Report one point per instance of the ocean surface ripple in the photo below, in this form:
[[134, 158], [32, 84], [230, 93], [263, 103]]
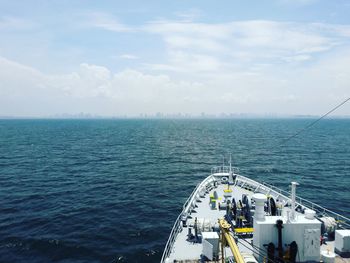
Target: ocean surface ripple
[[110, 190]]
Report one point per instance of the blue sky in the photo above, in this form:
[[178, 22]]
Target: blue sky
[[130, 57]]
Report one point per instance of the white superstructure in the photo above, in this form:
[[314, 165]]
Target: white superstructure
[[262, 224]]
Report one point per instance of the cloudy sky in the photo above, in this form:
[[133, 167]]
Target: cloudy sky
[[129, 57]]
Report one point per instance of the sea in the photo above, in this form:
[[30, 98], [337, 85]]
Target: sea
[[109, 190]]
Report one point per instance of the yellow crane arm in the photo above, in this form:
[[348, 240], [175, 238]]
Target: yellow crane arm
[[230, 240]]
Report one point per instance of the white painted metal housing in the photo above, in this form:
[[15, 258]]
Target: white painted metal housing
[[197, 205]]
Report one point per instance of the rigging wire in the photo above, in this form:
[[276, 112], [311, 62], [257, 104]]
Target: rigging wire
[[258, 250], [313, 123], [250, 246], [253, 248], [264, 254]]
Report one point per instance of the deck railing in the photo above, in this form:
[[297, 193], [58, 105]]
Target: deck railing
[[177, 226], [174, 232], [268, 188], [223, 169], [256, 186]]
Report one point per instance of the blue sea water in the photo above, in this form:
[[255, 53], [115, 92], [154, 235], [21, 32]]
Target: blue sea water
[[110, 190]]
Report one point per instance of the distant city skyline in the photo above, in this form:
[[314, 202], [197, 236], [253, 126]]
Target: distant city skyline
[[116, 58], [179, 115]]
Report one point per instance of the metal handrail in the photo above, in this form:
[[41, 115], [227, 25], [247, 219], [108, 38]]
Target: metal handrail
[[171, 239], [190, 197], [302, 201], [177, 226], [223, 169], [261, 186]]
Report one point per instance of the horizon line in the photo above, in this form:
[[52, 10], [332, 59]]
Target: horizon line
[[171, 116]]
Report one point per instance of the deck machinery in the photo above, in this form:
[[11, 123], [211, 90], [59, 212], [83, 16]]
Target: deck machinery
[[231, 218]]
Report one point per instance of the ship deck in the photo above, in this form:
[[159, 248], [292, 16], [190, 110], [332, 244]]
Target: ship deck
[[198, 208], [184, 250]]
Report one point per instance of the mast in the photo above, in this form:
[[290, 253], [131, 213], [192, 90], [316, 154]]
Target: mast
[[230, 175], [223, 163]]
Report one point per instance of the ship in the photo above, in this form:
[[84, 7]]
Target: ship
[[232, 218]]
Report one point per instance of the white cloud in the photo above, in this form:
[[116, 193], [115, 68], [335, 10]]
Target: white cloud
[[244, 43], [15, 23], [185, 42], [189, 62], [164, 27], [106, 22], [89, 81], [128, 56], [297, 2], [14, 75], [189, 15], [242, 66], [297, 58], [98, 90], [91, 88]]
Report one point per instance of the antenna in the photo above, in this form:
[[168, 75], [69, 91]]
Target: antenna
[[223, 163], [312, 123], [230, 165]]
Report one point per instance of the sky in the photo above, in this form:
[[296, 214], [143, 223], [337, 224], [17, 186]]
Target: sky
[[113, 58]]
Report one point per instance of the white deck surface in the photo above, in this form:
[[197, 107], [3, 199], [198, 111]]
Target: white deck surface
[[184, 250]]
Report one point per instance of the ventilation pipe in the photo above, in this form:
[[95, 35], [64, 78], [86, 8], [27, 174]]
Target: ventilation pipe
[[260, 200], [294, 186]]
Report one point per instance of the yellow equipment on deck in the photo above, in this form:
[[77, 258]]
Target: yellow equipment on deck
[[244, 230], [224, 226]]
